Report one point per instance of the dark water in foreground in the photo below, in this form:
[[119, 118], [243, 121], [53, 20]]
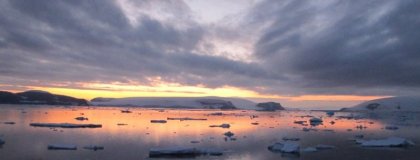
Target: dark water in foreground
[[133, 141]]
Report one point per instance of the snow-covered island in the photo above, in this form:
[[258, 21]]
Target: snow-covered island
[[407, 103], [184, 102]]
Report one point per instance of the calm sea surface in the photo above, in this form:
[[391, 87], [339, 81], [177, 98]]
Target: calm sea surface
[[134, 139]]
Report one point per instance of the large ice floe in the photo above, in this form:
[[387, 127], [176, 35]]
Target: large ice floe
[[62, 147], [285, 147], [180, 151], [386, 142], [65, 125]]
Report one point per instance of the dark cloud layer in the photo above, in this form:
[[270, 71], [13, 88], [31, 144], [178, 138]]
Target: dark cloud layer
[[303, 47]]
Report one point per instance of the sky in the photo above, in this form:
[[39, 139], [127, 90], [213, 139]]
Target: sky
[[315, 53]]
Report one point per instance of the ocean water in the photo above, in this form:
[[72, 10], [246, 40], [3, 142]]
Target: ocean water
[[134, 139]]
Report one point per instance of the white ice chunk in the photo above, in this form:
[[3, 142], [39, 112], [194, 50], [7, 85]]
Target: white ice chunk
[[285, 147], [387, 142]]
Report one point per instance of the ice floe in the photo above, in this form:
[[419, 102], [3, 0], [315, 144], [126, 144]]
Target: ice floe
[[224, 125], [81, 118], [65, 125], [62, 147], [180, 151], [285, 147], [188, 119], [386, 142], [291, 139], [157, 121], [94, 147]]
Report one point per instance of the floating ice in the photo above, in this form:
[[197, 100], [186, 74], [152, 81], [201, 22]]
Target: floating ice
[[387, 142], [65, 125], [11, 123], [224, 125], [291, 139], [309, 149], [81, 118], [180, 151], [285, 147], [324, 147], [62, 147], [157, 121], [188, 119], [330, 113], [93, 147], [391, 127], [229, 134], [216, 114], [2, 141], [126, 111], [315, 120]]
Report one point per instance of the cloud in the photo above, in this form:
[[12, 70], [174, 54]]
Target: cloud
[[292, 47]]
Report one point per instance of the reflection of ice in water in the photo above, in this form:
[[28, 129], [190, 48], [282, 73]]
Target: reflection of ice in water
[[250, 141]]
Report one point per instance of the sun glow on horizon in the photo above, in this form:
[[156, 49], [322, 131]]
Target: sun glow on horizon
[[115, 90]]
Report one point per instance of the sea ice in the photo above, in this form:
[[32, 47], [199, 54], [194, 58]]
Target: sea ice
[[180, 151], [387, 142], [62, 147], [309, 149], [285, 147], [65, 125], [93, 147], [323, 147], [224, 125], [157, 121], [188, 119], [81, 118], [291, 139]]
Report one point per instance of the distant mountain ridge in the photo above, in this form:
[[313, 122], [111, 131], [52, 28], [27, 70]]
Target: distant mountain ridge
[[39, 97]]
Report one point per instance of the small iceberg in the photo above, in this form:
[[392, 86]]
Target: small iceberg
[[291, 139], [216, 114], [181, 152], [81, 118], [391, 127], [285, 147], [62, 147], [65, 125], [229, 134], [188, 119], [330, 113], [224, 125], [387, 142], [94, 148], [10, 123], [309, 149], [324, 147], [126, 111], [157, 121], [315, 121]]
